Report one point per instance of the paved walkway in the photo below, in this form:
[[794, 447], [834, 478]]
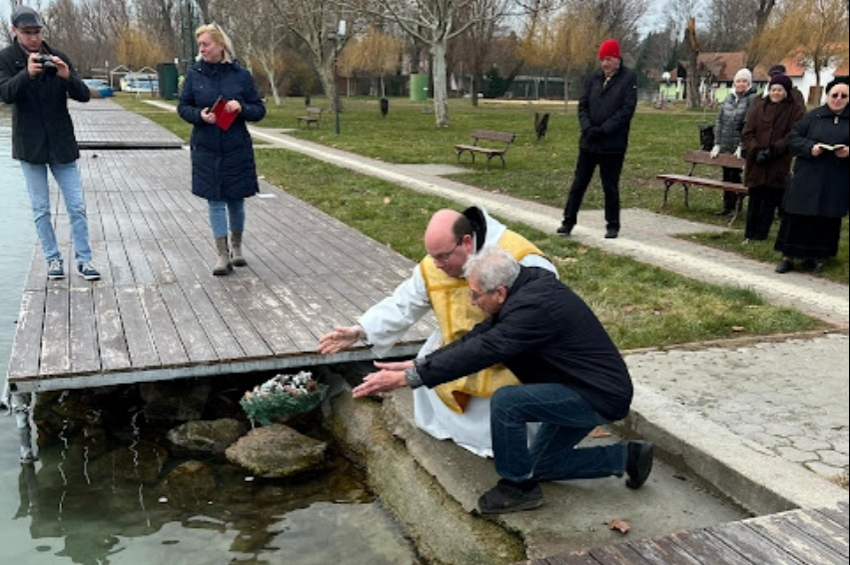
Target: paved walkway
[[757, 412]]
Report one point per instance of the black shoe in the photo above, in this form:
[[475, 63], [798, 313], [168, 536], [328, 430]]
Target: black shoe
[[638, 463], [611, 233], [507, 497], [565, 229], [784, 267]]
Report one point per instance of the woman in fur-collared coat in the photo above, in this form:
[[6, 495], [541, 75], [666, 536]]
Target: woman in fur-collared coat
[[765, 139]]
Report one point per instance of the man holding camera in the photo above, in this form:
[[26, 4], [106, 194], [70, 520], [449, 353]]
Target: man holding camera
[[37, 80]]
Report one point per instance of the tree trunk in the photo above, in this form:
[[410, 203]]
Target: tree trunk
[[693, 64], [441, 103]]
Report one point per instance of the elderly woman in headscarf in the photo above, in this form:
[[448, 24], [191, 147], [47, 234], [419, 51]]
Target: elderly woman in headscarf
[[727, 130], [765, 139], [223, 169], [817, 198]]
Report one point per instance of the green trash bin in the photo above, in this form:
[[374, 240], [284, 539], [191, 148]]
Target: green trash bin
[[418, 87], [167, 75]]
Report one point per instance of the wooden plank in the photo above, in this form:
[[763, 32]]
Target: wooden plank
[[746, 541], [55, 347], [189, 327], [663, 551], [167, 340], [25, 356], [85, 356], [619, 554], [838, 515], [110, 330], [137, 333], [707, 547], [806, 534]]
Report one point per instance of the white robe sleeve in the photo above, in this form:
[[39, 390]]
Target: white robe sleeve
[[387, 321]]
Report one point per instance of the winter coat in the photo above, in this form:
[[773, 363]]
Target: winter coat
[[605, 111], [767, 127], [544, 333], [223, 165], [730, 120], [42, 130], [819, 186]]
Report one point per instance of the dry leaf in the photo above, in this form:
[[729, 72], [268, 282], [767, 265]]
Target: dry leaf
[[620, 525], [387, 200], [600, 432], [738, 328]]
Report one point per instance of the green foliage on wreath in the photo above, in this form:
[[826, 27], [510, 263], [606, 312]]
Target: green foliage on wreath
[[283, 396]]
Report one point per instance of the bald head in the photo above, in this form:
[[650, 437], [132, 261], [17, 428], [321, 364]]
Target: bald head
[[440, 230]]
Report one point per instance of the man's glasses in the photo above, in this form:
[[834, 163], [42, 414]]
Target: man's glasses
[[838, 95], [443, 257], [476, 296]]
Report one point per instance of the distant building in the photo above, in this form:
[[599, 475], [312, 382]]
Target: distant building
[[717, 72]]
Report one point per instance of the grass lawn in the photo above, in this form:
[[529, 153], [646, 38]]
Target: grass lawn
[[640, 305]]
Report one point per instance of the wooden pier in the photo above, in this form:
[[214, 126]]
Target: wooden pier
[[812, 537], [158, 313]]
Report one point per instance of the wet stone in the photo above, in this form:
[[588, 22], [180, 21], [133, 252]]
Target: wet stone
[[276, 451], [207, 436]]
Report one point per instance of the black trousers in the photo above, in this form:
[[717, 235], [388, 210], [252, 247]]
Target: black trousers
[[729, 197], [764, 203], [610, 166]]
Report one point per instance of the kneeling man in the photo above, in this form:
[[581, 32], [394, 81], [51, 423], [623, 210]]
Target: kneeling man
[[573, 379]]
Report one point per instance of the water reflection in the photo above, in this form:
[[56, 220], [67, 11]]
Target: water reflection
[[109, 488]]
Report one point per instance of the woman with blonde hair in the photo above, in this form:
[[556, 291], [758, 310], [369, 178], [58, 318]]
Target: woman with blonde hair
[[218, 98]]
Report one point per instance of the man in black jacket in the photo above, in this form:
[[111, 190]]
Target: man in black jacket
[[37, 81], [573, 380], [605, 113]]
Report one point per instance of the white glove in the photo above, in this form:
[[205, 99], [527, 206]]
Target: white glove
[[715, 151], [738, 152]]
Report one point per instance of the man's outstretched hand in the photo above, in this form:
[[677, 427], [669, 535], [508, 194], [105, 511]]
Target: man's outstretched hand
[[340, 338], [389, 376]]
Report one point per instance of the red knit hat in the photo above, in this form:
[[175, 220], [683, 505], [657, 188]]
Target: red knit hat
[[609, 48]]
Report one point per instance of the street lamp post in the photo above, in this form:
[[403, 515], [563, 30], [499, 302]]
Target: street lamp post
[[337, 35]]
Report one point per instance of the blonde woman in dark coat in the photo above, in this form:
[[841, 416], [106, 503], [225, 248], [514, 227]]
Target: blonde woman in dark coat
[[765, 138], [817, 198]]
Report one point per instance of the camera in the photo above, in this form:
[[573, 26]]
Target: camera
[[46, 61]]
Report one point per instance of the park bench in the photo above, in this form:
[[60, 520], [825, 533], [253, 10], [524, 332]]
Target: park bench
[[698, 157], [496, 143], [313, 116]]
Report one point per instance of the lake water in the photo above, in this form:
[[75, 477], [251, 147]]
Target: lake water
[[60, 510]]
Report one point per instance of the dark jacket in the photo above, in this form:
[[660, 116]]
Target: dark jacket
[[544, 333], [767, 127], [605, 111], [730, 119], [223, 165], [42, 130], [819, 186]]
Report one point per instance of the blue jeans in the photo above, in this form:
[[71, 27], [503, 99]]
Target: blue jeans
[[219, 212], [67, 176], [565, 418]]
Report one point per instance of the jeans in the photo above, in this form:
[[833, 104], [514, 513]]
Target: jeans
[[67, 176], [566, 419], [610, 167], [219, 212]]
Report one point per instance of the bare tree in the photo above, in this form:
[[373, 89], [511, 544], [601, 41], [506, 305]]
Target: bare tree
[[316, 24], [692, 45], [435, 23], [813, 32]]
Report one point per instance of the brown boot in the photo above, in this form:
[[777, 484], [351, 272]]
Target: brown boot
[[236, 256], [222, 265]]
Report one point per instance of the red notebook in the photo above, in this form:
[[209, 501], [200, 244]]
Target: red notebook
[[223, 118]]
